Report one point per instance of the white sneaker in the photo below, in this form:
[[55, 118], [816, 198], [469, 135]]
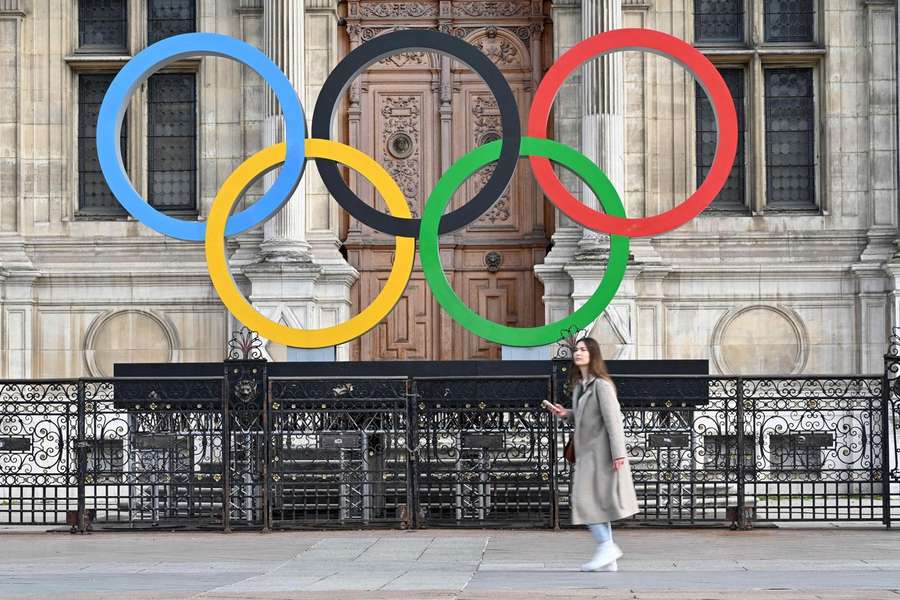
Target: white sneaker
[[611, 567], [606, 554]]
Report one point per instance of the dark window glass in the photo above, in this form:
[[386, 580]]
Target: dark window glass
[[93, 193], [789, 20], [790, 139], [172, 141], [719, 20], [102, 25], [170, 17], [732, 195]]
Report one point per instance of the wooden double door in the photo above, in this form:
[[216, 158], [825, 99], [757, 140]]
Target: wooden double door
[[416, 113]]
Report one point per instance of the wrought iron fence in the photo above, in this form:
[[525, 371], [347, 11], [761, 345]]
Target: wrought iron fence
[[39, 426], [246, 450], [815, 448], [681, 440], [890, 439], [484, 451], [151, 451]]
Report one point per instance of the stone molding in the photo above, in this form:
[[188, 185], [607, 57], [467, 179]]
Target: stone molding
[[791, 317], [97, 326], [14, 8]]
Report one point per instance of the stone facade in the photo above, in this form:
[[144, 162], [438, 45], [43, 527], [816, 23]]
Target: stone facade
[[762, 291], [79, 293]]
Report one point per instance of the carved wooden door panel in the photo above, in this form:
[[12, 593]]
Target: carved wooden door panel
[[416, 113]]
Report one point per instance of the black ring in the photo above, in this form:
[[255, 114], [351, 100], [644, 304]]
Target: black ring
[[418, 39]]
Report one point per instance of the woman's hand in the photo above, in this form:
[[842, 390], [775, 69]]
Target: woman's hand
[[558, 409], [618, 463]]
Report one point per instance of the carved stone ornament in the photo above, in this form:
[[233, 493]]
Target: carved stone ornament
[[487, 129], [397, 10], [497, 48], [401, 59], [490, 9], [400, 135], [487, 138]]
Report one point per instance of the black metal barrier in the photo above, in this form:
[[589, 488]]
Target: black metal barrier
[[431, 445]]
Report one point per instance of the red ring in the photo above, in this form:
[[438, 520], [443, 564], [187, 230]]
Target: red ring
[[708, 77]]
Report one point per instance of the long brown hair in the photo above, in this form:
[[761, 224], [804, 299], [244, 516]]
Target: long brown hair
[[596, 366]]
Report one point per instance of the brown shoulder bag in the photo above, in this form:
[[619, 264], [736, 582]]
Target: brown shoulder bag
[[569, 450]]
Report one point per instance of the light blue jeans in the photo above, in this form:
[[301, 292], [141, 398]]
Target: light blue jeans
[[602, 532]]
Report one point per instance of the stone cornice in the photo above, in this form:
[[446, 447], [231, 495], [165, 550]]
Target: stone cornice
[[249, 7], [14, 8], [321, 5]]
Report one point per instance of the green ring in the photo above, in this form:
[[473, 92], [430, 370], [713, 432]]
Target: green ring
[[542, 335]]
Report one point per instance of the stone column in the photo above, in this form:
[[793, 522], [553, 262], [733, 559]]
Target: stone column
[[557, 298], [333, 287], [17, 273], [603, 111], [283, 284], [11, 15], [603, 141], [283, 36], [879, 265]]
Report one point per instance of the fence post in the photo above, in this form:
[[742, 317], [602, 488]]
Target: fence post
[[554, 444], [81, 455], [739, 399], [412, 454], [226, 457], [267, 456], [886, 443]]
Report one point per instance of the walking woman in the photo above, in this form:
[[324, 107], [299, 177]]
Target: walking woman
[[601, 490]]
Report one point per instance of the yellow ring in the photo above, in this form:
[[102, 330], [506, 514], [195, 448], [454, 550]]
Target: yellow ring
[[231, 190]]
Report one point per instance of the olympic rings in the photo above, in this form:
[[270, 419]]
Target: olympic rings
[[505, 152], [239, 180], [707, 76], [418, 39], [155, 57], [429, 251]]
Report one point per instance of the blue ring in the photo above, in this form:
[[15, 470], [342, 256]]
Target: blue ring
[[155, 57]]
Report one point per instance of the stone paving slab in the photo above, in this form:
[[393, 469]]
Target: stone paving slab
[[695, 580], [702, 564]]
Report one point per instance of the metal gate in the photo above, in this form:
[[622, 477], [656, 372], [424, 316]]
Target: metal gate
[[150, 452], [485, 452], [338, 452]]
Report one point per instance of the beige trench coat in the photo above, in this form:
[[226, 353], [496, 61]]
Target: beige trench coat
[[599, 494]]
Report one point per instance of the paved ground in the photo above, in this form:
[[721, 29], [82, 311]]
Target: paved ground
[[674, 564]]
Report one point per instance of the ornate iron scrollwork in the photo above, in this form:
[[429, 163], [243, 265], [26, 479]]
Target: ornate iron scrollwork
[[245, 345], [567, 340], [246, 390]]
